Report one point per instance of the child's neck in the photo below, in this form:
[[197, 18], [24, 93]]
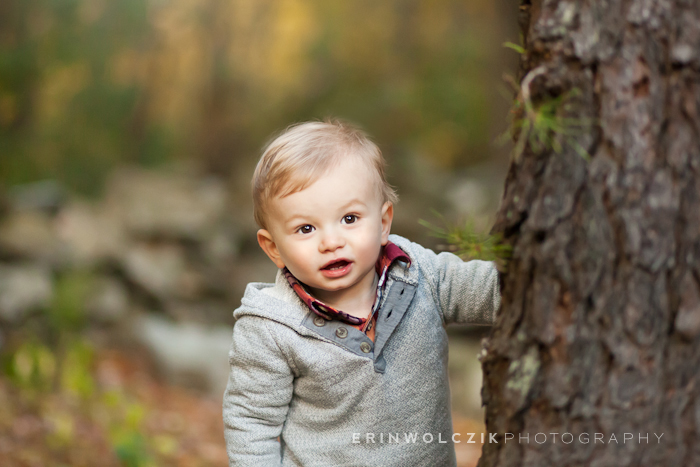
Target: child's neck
[[356, 301]]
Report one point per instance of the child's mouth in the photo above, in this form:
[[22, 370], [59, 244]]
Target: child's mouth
[[336, 266], [337, 269]]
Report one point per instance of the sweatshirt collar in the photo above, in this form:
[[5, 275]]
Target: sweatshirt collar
[[388, 255]]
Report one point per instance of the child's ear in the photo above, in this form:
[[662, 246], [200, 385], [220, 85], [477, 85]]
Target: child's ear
[[387, 217], [270, 247]]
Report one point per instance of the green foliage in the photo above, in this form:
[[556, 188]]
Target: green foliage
[[547, 125], [544, 127], [61, 367], [518, 48], [32, 367], [62, 113], [125, 427], [467, 243], [62, 428], [35, 367], [66, 313], [132, 448], [76, 366], [43, 373], [86, 85]]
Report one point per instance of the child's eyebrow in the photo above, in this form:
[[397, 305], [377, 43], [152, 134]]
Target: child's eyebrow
[[352, 202], [296, 218]]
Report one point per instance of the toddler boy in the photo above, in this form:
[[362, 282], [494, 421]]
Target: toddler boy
[[343, 360]]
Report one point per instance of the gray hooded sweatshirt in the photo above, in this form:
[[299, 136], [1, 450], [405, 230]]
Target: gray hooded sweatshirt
[[304, 391]]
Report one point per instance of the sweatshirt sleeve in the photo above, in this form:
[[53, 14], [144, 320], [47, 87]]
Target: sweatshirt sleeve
[[257, 395], [466, 291]]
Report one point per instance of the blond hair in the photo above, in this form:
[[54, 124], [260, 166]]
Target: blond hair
[[305, 151]]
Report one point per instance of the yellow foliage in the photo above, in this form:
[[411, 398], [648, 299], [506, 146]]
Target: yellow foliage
[[8, 109], [59, 86], [129, 67], [62, 428]]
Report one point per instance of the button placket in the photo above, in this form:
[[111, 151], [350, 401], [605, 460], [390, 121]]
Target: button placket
[[347, 337], [396, 305]]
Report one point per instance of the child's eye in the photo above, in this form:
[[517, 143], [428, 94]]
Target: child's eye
[[350, 218], [306, 229]]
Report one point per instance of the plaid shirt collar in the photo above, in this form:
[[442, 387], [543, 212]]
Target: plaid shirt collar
[[389, 254]]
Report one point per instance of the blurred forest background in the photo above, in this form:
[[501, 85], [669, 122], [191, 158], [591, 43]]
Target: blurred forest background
[[129, 131]]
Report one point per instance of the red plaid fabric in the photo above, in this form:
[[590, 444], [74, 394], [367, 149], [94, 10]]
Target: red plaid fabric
[[390, 253]]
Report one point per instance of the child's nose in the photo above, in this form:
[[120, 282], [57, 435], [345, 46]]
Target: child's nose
[[331, 241]]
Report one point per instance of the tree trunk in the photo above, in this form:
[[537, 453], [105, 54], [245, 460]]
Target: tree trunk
[[599, 330]]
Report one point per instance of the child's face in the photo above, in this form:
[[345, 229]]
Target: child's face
[[329, 234]]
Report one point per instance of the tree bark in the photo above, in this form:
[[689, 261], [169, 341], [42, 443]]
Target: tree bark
[[599, 330]]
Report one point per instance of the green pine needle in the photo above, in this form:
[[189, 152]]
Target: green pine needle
[[518, 48], [467, 243]]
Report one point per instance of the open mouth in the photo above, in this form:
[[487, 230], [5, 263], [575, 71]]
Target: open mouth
[[336, 265]]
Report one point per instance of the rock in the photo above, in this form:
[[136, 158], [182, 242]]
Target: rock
[[158, 268], [163, 271], [203, 311], [220, 248], [108, 301], [23, 288], [31, 235], [90, 234], [191, 354], [167, 205], [45, 195]]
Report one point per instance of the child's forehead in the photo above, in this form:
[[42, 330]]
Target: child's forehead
[[326, 193], [363, 171]]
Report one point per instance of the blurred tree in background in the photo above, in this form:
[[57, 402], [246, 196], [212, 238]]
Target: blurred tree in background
[[86, 85], [68, 107], [97, 295]]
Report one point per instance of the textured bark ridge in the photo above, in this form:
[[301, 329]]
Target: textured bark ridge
[[599, 330]]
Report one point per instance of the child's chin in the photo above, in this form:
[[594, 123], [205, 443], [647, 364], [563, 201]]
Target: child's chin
[[334, 288], [337, 286]]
